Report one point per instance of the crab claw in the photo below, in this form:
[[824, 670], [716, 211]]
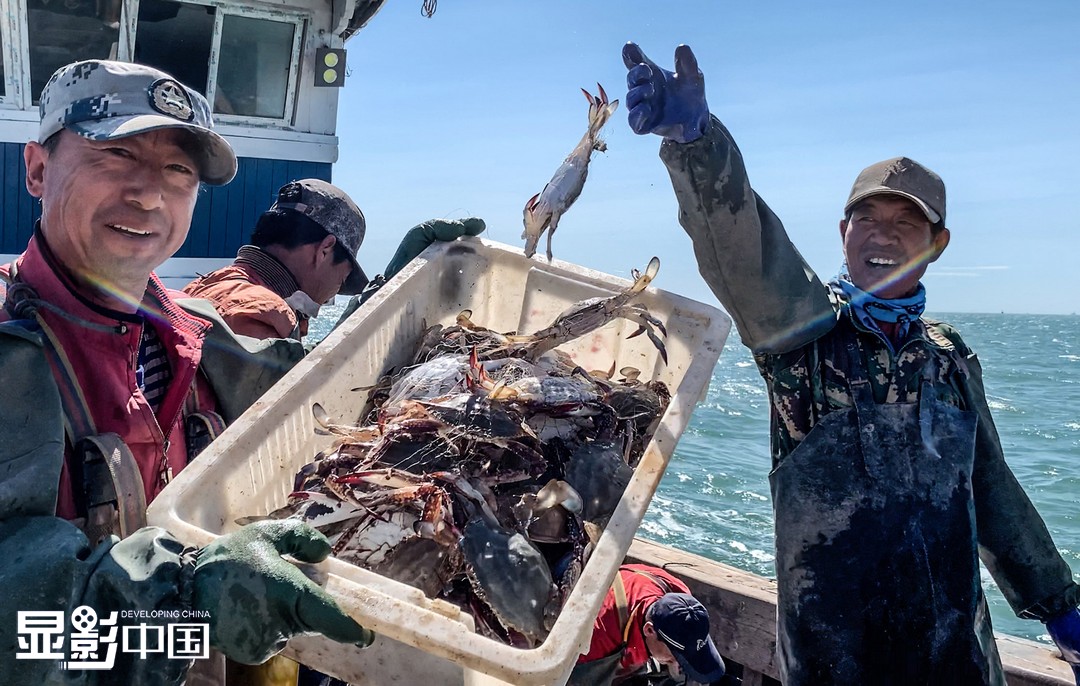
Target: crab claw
[[530, 204], [646, 325], [658, 343], [476, 376], [630, 374], [322, 418], [597, 102], [641, 314], [557, 492], [643, 280]]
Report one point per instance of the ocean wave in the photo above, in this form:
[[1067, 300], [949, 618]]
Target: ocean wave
[[1000, 405]]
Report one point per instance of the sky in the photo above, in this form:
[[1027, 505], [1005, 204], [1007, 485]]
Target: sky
[[471, 111]]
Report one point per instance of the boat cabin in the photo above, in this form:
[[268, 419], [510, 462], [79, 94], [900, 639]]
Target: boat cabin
[[271, 71]]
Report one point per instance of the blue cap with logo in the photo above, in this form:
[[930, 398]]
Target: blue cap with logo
[[104, 100], [682, 623]]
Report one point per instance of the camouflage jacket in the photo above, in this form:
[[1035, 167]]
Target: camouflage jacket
[[797, 328]]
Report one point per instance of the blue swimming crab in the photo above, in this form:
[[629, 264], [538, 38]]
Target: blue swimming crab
[[468, 338], [426, 530], [488, 467], [586, 316], [543, 210]]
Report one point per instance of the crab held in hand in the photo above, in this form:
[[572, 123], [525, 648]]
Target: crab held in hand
[[543, 210]]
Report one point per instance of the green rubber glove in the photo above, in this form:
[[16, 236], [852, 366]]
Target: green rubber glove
[[257, 600], [421, 236], [415, 242]]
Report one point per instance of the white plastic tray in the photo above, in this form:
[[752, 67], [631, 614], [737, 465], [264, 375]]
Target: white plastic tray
[[249, 470]]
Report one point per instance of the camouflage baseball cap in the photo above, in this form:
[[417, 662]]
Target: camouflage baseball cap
[[905, 177], [333, 210], [104, 100]]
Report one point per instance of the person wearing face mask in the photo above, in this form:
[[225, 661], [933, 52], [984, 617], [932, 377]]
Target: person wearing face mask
[[303, 252], [888, 479]]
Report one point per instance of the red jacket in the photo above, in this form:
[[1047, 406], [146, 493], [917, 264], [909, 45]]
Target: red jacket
[[641, 593], [250, 293], [104, 358]]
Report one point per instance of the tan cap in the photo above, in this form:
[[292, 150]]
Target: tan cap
[[905, 177]]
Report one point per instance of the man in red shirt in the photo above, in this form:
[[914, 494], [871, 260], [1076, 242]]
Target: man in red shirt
[[648, 613]]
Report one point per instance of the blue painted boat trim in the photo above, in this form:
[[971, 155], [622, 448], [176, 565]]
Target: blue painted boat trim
[[224, 215]]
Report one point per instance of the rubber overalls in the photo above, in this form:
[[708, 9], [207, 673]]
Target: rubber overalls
[[876, 553]]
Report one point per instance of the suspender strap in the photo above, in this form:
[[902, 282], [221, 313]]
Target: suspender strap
[[200, 426], [78, 423], [662, 584], [621, 605], [112, 485], [110, 474], [115, 499]]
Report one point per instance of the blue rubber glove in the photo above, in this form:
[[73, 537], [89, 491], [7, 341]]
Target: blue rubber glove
[[421, 236], [1065, 630], [257, 600], [669, 104]]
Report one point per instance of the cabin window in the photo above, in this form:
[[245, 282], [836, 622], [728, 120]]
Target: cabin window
[[62, 32], [176, 38], [244, 59], [254, 67]]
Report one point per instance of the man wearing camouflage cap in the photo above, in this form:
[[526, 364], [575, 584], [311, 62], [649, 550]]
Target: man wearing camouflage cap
[[108, 391], [888, 477], [303, 252]]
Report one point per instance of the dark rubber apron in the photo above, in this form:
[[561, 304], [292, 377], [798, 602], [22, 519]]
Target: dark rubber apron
[[876, 554]]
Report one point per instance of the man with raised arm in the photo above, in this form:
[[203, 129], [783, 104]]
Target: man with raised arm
[[888, 478]]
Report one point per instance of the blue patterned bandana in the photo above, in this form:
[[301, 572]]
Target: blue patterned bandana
[[870, 309]]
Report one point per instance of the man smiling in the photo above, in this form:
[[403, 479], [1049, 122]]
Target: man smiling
[[888, 478], [893, 228], [107, 394]]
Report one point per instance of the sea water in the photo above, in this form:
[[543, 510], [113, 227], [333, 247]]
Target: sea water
[[714, 498]]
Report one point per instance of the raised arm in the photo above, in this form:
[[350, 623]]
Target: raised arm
[[742, 250]]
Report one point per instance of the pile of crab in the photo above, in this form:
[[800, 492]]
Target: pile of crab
[[488, 467]]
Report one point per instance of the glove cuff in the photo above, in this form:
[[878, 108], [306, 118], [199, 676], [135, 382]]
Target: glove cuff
[[1054, 606], [377, 282], [186, 578], [1058, 624]]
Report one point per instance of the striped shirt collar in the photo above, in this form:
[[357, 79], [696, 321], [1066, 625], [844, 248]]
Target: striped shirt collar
[[276, 275]]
